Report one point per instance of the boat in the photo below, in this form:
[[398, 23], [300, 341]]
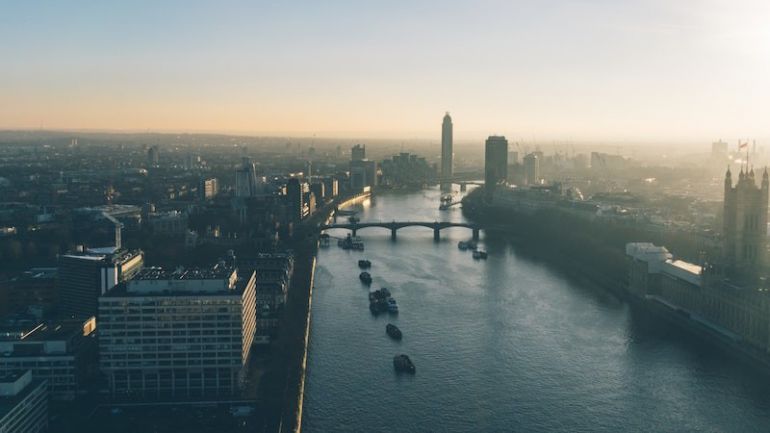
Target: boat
[[392, 306], [351, 243], [382, 294], [393, 331], [462, 245], [365, 277], [364, 264], [479, 254], [403, 364], [379, 301], [374, 308], [378, 306]]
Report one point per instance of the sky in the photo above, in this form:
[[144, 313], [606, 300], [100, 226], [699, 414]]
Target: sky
[[694, 70]]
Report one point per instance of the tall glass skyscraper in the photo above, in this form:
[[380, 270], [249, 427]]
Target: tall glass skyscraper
[[495, 164], [446, 152]]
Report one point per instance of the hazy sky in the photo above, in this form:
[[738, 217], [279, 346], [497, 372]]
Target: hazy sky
[[548, 69]]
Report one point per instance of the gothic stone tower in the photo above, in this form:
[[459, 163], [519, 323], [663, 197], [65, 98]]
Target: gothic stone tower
[[745, 224]]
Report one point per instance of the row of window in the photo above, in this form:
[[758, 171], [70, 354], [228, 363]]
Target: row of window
[[175, 363]]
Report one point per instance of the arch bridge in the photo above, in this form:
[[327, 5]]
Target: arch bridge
[[393, 226]]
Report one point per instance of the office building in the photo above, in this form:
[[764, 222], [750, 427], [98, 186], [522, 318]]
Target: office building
[[209, 188], [719, 151], [446, 152], [745, 224], [246, 182], [513, 158], [531, 169], [358, 153], [604, 162], [168, 223], [153, 157], [23, 403], [185, 334], [83, 277], [274, 271], [319, 191], [495, 164], [331, 187], [294, 199], [35, 287], [363, 173], [406, 169], [63, 353]]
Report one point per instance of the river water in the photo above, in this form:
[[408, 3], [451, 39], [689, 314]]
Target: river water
[[506, 344]]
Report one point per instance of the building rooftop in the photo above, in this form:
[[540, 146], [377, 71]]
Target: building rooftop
[[215, 272], [39, 273], [27, 331], [14, 388], [686, 266], [217, 280]]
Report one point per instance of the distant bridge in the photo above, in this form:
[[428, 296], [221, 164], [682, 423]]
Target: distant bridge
[[393, 226], [463, 181], [460, 181]]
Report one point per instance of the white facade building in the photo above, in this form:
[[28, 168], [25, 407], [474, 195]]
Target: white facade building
[[182, 334], [23, 403]]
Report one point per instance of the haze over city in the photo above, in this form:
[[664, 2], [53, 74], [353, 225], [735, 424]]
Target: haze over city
[[632, 71], [410, 216]]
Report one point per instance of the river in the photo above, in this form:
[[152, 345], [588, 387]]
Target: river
[[505, 344]]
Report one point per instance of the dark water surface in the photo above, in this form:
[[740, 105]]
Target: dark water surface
[[506, 344]]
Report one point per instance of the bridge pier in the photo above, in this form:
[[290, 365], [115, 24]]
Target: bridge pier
[[436, 234], [475, 234], [393, 234], [354, 232]]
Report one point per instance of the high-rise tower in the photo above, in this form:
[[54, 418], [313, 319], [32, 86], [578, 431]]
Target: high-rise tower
[[745, 223], [446, 152], [495, 164]]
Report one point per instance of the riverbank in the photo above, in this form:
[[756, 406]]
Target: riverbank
[[281, 391], [594, 253]]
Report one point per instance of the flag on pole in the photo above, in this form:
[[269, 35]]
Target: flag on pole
[[742, 145]]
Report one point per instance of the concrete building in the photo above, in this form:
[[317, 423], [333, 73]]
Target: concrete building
[[358, 153], [153, 157], [172, 223], [531, 169], [35, 287], [275, 271], [495, 164], [23, 403], [406, 169], [83, 277], [745, 224], [209, 188], [294, 197], [363, 174], [331, 187], [319, 190], [719, 151], [246, 181], [604, 162], [178, 335], [446, 152], [62, 353]]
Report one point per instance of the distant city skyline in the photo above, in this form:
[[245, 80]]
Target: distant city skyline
[[641, 70]]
